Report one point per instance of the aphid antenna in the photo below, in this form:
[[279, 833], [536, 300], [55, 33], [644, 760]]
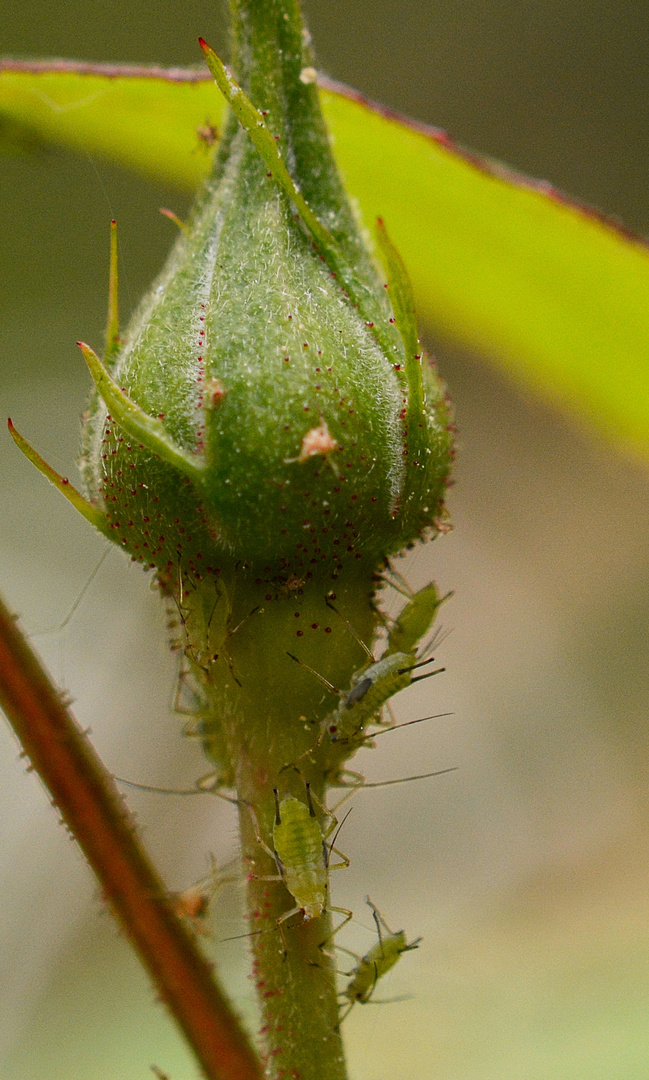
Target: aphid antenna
[[325, 682], [251, 933], [197, 790], [409, 723], [379, 922], [437, 639], [386, 1001], [398, 780], [62, 625], [407, 779], [368, 652], [277, 928]]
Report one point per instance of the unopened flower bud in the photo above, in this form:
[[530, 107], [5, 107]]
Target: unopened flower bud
[[269, 402]]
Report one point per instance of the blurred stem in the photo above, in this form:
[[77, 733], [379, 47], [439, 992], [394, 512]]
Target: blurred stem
[[93, 810]]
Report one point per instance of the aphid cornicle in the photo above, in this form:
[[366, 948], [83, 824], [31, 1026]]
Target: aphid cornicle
[[376, 962]]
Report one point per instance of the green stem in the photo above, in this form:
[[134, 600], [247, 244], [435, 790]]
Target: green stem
[[263, 715]]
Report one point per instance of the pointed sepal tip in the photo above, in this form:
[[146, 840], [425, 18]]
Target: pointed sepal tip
[[148, 430], [91, 513]]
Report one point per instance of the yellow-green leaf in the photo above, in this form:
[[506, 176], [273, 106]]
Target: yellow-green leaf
[[549, 291]]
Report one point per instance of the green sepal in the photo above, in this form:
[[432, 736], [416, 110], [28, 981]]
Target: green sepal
[[91, 513], [112, 322], [149, 431], [252, 121], [402, 299]]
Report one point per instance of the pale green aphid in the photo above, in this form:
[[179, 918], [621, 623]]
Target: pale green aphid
[[376, 962], [415, 619], [303, 856], [373, 685]]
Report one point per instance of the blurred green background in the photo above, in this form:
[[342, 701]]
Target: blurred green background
[[527, 871]]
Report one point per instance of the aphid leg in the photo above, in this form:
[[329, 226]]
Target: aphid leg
[[260, 840], [397, 582], [332, 955], [357, 779], [325, 682], [204, 785], [344, 1015], [345, 862], [187, 701], [348, 916], [381, 925], [356, 956], [368, 652], [75, 606]]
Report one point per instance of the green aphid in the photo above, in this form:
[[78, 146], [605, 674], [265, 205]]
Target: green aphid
[[303, 856], [372, 686], [376, 962], [415, 620]]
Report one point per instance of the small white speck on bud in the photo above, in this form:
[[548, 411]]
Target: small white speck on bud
[[317, 441], [308, 75]]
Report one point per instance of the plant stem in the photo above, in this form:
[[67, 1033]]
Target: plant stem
[[261, 725], [94, 812]]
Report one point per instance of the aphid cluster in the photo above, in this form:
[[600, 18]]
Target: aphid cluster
[[301, 843]]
